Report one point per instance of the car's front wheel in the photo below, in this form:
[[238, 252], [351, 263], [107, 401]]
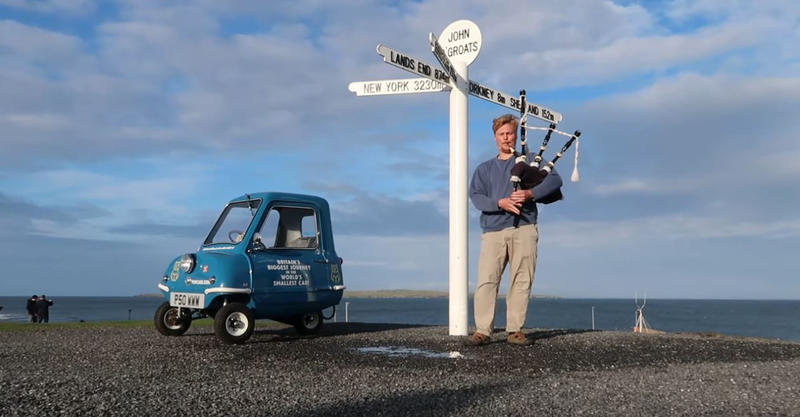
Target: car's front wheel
[[172, 321], [308, 323], [234, 323]]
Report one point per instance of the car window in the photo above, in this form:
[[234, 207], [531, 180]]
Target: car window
[[289, 227], [233, 223]]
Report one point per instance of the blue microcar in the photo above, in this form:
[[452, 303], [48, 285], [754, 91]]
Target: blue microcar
[[269, 256]]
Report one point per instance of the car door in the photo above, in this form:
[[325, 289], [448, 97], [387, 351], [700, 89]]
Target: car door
[[288, 260]]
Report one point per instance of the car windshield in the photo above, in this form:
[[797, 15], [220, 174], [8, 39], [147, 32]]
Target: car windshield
[[233, 223]]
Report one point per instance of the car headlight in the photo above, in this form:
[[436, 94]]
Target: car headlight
[[187, 263]]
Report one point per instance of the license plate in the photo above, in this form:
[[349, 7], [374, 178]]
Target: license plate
[[187, 299]]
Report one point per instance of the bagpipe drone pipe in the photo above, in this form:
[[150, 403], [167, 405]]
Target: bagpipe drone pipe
[[526, 175]]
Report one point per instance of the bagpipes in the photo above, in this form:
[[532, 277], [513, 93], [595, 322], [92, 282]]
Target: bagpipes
[[526, 175]]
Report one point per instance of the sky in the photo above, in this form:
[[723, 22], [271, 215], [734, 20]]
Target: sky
[[125, 127]]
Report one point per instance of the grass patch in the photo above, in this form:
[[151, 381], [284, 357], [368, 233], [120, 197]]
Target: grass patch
[[73, 325]]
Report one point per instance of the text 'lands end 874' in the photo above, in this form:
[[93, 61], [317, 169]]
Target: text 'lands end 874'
[[412, 64]]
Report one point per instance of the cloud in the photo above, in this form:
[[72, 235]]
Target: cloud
[[52, 248], [341, 189], [36, 122], [635, 55], [690, 128], [81, 267], [125, 192], [163, 76], [196, 232], [627, 232], [159, 78], [28, 43], [783, 164], [18, 214], [625, 186], [384, 262], [682, 10], [387, 216], [70, 7]]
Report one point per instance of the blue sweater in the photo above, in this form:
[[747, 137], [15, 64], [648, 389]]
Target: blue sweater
[[491, 182]]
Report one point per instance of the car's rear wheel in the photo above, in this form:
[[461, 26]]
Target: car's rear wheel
[[172, 321], [234, 323], [308, 323]]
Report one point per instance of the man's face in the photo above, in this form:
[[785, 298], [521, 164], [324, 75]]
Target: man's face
[[506, 138]]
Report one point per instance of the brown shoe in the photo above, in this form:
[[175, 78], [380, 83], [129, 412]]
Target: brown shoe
[[479, 339], [518, 338]]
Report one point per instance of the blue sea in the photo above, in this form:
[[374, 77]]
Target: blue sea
[[774, 319]]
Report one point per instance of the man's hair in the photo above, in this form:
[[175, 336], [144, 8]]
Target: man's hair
[[506, 118]]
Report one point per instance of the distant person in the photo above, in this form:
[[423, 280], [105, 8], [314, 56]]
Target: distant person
[[31, 307], [510, 235], [42, 307]]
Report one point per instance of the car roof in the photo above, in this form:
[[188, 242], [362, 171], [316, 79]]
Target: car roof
[[291, 197]]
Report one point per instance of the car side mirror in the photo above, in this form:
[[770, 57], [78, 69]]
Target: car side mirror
[[257, 244]]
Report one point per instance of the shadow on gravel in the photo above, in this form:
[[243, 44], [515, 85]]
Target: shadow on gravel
[[442, 401], [330, 330], [547, 334]]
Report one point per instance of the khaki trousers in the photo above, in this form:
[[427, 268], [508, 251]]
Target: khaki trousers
[[517, 248]]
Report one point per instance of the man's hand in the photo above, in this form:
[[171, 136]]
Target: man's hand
[[509, 205], [521, 196]]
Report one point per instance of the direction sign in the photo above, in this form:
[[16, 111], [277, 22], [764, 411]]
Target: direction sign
[[441, 56], [461, 40], [513, 102], [412, 64], [387, 87]]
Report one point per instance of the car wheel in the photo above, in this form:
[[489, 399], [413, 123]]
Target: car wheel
[[308, 323], [172, 321], [233, 323]]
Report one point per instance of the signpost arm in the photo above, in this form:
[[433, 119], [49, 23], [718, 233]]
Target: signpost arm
[[459, 242]]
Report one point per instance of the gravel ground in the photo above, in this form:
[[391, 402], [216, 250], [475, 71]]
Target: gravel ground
[[384, 370]]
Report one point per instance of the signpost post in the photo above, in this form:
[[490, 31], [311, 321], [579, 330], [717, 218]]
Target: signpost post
[[456, 48], [459, 203]]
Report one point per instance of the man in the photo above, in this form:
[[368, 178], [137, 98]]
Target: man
[[503, 242], [31, 307], [43, 309]]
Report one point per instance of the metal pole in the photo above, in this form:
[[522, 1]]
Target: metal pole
[[459, 243], [592, 317], [346, 312]]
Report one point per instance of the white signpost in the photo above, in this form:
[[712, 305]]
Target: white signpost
[[459, 177], [455, 49]]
